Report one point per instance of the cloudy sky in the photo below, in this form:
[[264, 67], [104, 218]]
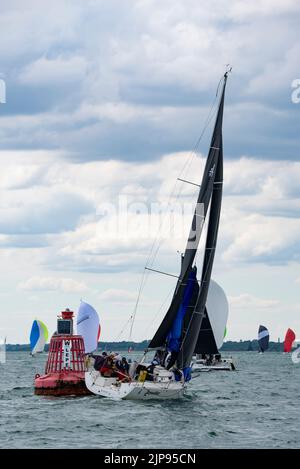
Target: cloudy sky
[[104, 103]]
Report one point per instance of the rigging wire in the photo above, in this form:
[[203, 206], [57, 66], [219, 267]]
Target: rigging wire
[[156, 245], [143, 281], [159, 309], [191, 155], [123, 329], [204, 272], [150, 262], [158, 241], [187, 164]]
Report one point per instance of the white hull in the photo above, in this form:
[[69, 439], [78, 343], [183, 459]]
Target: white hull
[[110, 387], [225, 365]]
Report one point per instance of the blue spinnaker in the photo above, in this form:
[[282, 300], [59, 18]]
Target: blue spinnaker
[[34, 335], [174, 336]]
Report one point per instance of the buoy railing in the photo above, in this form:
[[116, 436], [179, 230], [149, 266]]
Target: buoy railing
[[66, 354]]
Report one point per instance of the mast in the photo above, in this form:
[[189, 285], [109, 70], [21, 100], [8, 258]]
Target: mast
[[191, 335], [210, 190]]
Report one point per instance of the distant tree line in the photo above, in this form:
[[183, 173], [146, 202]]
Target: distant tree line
[[249, 346], [108, 346], [229, 346]]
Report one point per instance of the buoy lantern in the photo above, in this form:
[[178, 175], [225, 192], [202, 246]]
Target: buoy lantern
[[65, 367]]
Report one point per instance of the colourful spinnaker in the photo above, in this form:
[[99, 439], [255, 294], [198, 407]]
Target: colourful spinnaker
[[88, 326], [290, 336], [38, 336]]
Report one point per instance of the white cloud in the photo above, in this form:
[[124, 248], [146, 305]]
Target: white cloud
[[253, 236], [38, 27], [276, 73], [41, 210], [260, 214], [243, 11], [245, 300], [66, 285], [54, 71], [119, 296]]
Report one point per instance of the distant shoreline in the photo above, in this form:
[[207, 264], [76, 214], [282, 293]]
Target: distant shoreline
[[229, 346]]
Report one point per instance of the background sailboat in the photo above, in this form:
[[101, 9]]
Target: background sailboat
[[263, 339], [290, 336], [88, 326], [3, 351], [211, 334], [296, 355], [38, 337]]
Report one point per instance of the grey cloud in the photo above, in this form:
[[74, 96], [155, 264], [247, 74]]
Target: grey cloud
[[24, 241], [23, 99], [169, 58], [61, 212], [284, 256]]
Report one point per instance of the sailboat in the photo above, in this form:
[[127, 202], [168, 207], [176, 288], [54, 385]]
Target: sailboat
[[290, 336], [88, 326], [263, 339], [3, 351], [38, 337], [212, 333], [176, 338], [296, 355]]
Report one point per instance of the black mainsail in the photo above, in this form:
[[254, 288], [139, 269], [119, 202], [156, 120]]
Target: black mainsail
[[206, 343], [190, 338], [210, 194]]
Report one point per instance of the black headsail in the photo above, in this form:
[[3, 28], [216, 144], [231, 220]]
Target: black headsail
[[206, 343], [191, 336], [210, 180]]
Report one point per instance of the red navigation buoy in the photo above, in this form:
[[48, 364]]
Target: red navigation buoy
[[65, 367]]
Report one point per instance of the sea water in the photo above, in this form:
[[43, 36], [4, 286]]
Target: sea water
[[256, 406]]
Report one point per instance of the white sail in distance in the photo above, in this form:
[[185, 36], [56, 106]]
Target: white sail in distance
[[88, 326], [217, 310]]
